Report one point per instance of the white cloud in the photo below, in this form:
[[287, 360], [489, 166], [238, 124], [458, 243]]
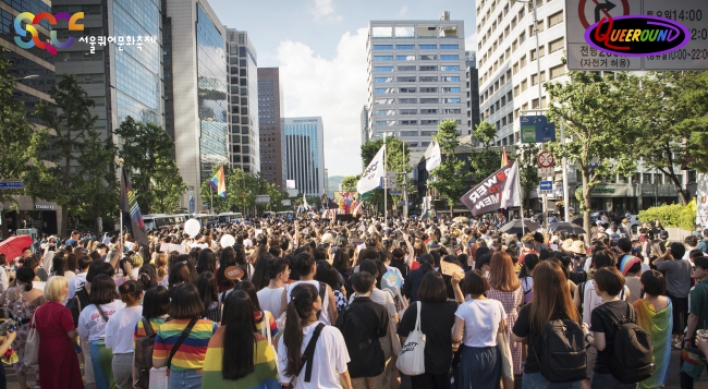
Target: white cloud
[[471, 42], [335, 89], [324, 9]]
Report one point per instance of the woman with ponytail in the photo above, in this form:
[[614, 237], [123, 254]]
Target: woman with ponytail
[[327, 366], [120, 330], [20, 303]]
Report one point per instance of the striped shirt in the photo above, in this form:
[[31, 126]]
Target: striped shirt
[[259, 325], [190, 355], [155, 323], [265, 375]]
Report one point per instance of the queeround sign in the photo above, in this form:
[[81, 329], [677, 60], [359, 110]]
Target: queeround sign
[[637, 35]]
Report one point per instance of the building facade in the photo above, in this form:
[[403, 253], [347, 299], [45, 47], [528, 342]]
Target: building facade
[[472, 89], [416, 77], [244, 147], [364, 120], [304, 154], [199, 92], [270, 114]]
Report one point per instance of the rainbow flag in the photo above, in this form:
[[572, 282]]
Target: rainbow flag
[[658, 325], [265, 375], [504, 158], [218, 182]]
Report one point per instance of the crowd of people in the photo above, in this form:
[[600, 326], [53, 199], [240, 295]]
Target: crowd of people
[[332, 304]]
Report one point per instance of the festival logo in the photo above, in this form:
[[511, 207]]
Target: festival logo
[[637, 35], [53, 44]]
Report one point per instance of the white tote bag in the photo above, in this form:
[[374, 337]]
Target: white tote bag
[[411, 361], [32, 345], [159, 378], [505, 351]]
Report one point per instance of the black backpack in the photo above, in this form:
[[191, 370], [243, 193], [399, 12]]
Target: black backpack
[[633, 350], [562, 356], [77, 304]]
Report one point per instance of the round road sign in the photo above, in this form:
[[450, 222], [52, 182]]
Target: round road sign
[[545, 159]]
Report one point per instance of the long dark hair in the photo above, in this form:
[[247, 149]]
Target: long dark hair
[[300, 307], [59, 264], [260, 274], [206, 261], [551, 295], [239, 336], [250, 289], [208, 290], [227, 258]]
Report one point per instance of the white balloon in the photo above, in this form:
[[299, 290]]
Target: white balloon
[[227, 241], [192, 227]]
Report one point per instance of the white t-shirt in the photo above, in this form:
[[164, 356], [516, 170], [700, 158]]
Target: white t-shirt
[[324, 316], [92, 325], [76, 282], [330, 359], [270, 299], [4, 281], [382, 297], [482, 318], [120, 329], [592, 300]]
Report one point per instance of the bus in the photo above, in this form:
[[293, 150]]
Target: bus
[[208, 221], [230, 217], [160, 221]]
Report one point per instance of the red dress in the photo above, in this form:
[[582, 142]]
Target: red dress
[[57, 356]]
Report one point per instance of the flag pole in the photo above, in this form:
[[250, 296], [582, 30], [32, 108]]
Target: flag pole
[[521, 198], [122, 190], [211, 202], [385, 180]]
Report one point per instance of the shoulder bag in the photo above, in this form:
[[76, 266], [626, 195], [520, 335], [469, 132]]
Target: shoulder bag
[[505, 351], [31, 356], [411, 361]]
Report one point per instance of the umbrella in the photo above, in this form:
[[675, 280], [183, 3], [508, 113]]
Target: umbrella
[[514, 227], [567, 227], [461, 219], [577, 220], [13, 247]]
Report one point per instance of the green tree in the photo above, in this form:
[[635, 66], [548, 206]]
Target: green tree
[[349, 183], [397, 159], [451, 174], [148, 152], [528, 168], [696, 124], [19, 143], [74, 135], [485, 133], [602, 124], [484, 162], [96, 182], [212, 200]]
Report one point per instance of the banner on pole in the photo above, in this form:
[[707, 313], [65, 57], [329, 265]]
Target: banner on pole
[[495, 192], [129, 205], [371, 178]]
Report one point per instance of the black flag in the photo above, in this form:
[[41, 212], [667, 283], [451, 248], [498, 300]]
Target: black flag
[[496, 191], [129, 205]]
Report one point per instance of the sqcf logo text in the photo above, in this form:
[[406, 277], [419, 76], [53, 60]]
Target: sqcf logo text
[[30, 20]]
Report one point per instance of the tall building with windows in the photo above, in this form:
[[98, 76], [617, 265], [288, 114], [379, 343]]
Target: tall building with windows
[[416, 77], [199, 92], [304, 154], [244, 147], [364, 124], [507, 60], [472, 89], [270, 114]]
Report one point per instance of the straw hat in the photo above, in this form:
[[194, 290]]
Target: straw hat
[[567, 244], [578, 247]]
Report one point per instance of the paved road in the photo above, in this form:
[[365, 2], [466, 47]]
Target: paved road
[[672, 384]]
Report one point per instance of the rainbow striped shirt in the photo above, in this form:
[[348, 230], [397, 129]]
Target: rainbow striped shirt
[[139, 332], [191, 353], [265, 375]]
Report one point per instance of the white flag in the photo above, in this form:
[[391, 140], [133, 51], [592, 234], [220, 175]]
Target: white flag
[[435, 158], [371, 178], [304, 203]]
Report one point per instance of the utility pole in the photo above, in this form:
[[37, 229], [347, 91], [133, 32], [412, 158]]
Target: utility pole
[[385, 180], [405, 180]]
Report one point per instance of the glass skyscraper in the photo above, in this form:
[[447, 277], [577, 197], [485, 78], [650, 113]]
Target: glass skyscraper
[[304, 154]]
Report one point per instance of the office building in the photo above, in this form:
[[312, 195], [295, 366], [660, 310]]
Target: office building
[[304, 154], [244, 148], [416, 77], [472, 89], [364, 119], [270, 114], [199, 91], [33, 72]]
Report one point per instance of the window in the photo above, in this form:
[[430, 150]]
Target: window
[[409, 133], [450, 79], [555, 19], [557, 71], [516, 67], [427, 31], [556, 45], [523, 61], [405, 47], [385, 112], [408, 101], [534, 78], [385, 123], [405, 31], [383, 79], [382, 31], [428, 89], [451, 111], [448, 32], [428, 68], [405, 79], [451, 90], [524, 85], [381, 69], [428, 47], [405, 57], [407, 111], [428, 79], [451, 100], [430, 122], [522, 37], [408, 122], [383, 47], [429, 100], [428, 57], [450, 57], [449, 68], [380, 91], [428, 111], [407, 90], [407, 68], [383, 58], [383, 101], [449, 47]]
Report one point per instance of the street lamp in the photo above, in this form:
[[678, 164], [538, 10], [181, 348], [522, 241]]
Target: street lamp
[[28, 77]]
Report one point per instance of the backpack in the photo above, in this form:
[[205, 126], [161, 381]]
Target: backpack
[[562, 356], [143, 355], [77, 304], [581, 290], [367, 356], [579, 274], [633, 350]]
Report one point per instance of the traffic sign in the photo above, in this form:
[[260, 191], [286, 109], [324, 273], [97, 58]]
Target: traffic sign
[[581, 15], [395, 191], [12, 184], [545, 159], [537, 129], [545, 185], [262, 199], [545, 172]]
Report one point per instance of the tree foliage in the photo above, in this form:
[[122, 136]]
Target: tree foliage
[[528, 168], [484, 162], [696, 124], [148, 154], [397, 159], [349, 183], [241, 191], [601, 123], [451, 174], [485, 133]]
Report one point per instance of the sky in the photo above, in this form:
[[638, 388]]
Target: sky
[[320, 47]]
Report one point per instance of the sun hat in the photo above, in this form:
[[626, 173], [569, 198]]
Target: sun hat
[[578, 247]]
